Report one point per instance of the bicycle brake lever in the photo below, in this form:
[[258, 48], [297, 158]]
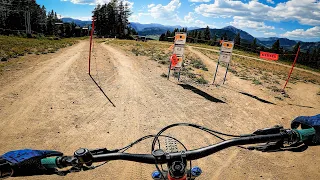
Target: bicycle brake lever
[[274, 130], [268, 147]]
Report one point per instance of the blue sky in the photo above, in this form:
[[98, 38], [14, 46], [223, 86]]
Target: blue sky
[[293, 19]]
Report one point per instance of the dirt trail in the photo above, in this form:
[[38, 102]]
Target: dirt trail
[[258, 59], [56, 105]]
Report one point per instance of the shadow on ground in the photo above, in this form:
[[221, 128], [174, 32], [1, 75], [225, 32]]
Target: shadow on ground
[[201, 93], [102, 91], [257, 98]]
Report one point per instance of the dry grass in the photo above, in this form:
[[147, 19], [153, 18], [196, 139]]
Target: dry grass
[[269, 73], [12, 47]]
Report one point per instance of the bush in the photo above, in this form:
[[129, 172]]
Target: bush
[[256, 82], [201, 80], [198, 64]]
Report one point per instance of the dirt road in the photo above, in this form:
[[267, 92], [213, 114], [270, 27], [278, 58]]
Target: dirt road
[[52, 103]]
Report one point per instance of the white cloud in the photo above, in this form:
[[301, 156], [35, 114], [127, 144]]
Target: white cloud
[[189, 18], [304, 11], [270, 34], [309, 33], [270, 1], [151, 5], [134, 18], [168, 11], [244, 23], [199, 0], [193, 4]]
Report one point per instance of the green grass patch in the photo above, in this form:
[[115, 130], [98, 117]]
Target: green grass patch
[[256, 82], [196, 63], [201, 80], [12, 47]]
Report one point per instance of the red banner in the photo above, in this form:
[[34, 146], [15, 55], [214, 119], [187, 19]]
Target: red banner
[[269, 56]]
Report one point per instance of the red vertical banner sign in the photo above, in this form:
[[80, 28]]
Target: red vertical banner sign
[[294, 63], [92, 30]]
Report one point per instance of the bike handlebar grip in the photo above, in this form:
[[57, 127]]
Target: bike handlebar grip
[[306, 134], [50, 162]]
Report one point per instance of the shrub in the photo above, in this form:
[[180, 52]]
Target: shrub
[[201, 80]]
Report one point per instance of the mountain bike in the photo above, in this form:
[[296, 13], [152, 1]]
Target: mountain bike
[[268, 140]]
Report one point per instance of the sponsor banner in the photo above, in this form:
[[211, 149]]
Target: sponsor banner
[[269, 56]]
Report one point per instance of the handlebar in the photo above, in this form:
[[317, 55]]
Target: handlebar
[[287, 136]]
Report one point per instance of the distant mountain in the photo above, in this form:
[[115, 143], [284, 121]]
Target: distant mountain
[[154, 29], [309, 45], [76, 21], [243, 34], [284, 42]]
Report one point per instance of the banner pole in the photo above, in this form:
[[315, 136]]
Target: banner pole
[[295, 60], [92, 30]]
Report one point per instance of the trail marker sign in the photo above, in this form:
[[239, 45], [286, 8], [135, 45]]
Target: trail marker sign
[[176, 59], [226, 52], [180, 38], [178, 50], [225, 56]]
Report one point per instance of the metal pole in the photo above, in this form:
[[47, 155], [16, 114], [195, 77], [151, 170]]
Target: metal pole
[[225, 76], [215, 74], [169, 70], [295, 60], [92, 29]]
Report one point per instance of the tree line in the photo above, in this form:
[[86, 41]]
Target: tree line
[[112, 20], [168, 36], [17, 15]]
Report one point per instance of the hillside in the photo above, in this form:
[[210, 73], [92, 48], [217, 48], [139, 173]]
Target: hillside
[[285, 43], [76, 21], [243, 34]]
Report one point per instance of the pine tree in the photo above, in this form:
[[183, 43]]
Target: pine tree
[[276, 47], [224, 36], [207, 34], [295, 48], [254, 44], [195, 35], [200, 35], [214, 38], [162, 37], [237, 39]]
